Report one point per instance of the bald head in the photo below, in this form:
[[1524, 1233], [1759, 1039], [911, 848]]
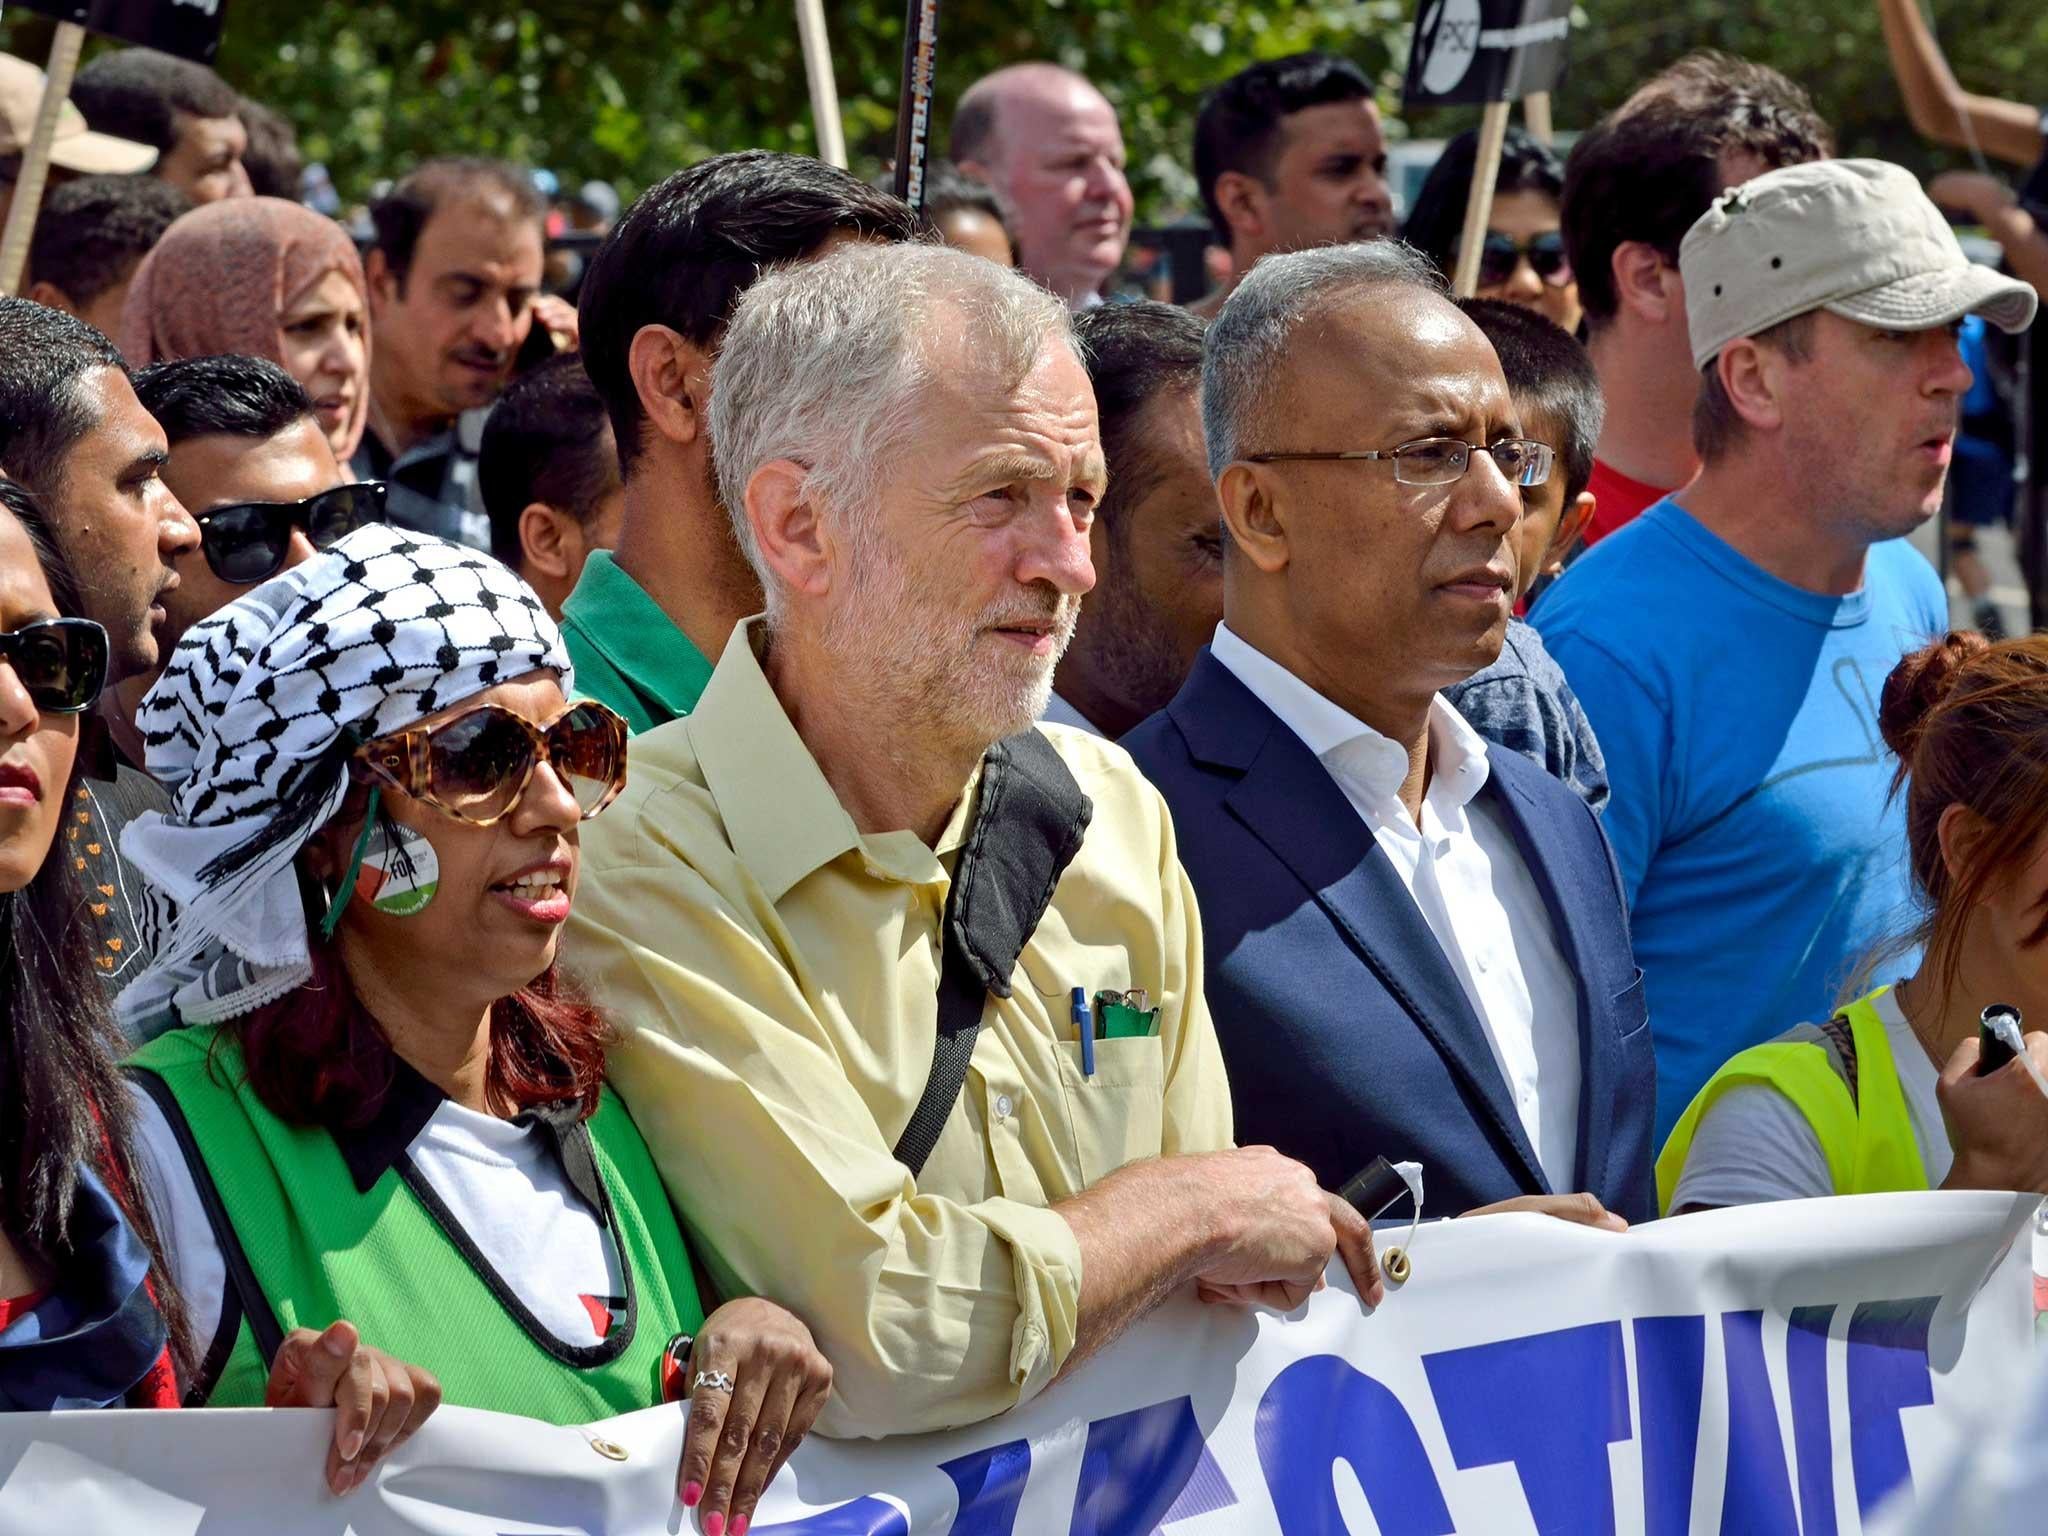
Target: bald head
[[1048, 142]]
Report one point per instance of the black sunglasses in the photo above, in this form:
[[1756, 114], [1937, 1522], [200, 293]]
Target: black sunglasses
[[61, 663], [1546, 253], [246, 541]]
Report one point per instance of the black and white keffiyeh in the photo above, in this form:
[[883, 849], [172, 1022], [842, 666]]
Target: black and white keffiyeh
[[252, 727]]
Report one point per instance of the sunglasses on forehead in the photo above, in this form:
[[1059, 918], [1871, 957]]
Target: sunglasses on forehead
[[247, 542], [60, 663]]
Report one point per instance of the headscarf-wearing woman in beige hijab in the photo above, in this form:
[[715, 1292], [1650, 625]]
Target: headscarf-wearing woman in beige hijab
[[260, 277]]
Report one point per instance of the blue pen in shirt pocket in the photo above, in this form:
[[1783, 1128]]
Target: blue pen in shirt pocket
[[1084, 1028]]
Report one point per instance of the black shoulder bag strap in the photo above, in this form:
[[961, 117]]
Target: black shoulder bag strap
[[1026, 831]]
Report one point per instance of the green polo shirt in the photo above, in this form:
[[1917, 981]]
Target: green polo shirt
[[626, 652]]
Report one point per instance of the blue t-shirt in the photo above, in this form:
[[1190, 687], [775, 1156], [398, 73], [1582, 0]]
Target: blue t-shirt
[[1760, 851]]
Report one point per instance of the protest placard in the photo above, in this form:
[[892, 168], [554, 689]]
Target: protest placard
[[1492, 52]]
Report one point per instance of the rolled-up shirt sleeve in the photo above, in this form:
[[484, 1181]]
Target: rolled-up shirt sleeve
[[933, 1312]]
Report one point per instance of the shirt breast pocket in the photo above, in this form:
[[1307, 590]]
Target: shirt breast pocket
[[1115, 1114]]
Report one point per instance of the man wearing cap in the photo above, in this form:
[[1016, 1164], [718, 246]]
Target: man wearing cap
[[76, 151], [1730, 645]]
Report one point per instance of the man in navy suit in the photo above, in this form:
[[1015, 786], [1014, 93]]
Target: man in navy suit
[[1416, 947]]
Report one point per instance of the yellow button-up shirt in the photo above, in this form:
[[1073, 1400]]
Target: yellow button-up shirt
[[774, 973]]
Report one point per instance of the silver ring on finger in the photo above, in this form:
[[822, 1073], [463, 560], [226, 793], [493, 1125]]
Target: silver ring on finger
[[717, 1381]]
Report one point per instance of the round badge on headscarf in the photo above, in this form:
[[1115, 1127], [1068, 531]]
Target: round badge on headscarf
[[399, 869], [253, 726]]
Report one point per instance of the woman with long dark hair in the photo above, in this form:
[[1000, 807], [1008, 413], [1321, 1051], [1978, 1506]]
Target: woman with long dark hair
[[385, 1104], [1523, 260], [89, 1316], [83, 1302]]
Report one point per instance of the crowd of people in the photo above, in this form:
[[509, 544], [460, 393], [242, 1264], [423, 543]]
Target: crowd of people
[[1068, 783]]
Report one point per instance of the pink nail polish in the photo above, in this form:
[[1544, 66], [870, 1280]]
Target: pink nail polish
[[692, 1494], [714, 1525], [739, 1525]]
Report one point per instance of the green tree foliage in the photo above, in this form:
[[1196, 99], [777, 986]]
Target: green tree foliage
[[626, 92]]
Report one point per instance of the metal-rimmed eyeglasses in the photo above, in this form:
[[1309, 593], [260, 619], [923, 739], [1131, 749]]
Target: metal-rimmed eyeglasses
[[1439, 460]]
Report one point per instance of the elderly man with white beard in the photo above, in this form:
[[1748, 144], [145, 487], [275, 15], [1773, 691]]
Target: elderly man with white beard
[[913, 990]]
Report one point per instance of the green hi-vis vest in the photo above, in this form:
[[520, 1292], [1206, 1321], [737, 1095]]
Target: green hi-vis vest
[[304, 1249], [1867, 1139]]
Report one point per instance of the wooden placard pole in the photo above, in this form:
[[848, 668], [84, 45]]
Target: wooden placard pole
[[1536, 116], [35, 159], [1493, 132], [829, 131]]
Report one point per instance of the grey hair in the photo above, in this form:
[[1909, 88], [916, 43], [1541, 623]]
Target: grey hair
[[1257, 326], [826, 362]]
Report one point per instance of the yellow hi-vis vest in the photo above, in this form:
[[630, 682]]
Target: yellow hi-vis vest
[[1867, 1138]]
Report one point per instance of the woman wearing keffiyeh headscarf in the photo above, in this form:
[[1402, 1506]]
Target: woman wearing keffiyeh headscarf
[[89, 1315], [385, 1104], [260, 277]]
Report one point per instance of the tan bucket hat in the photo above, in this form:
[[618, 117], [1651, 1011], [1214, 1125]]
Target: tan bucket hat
[[77, 147], [1857, 238]]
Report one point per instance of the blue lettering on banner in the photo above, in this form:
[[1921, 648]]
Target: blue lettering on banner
[[863, 1517], [1887, 1372], [1136, 1468], [1757, 1495], [1323, 1410], [1496, 1403], [990, 1483], [1671, 1369], [1813, 1439], [1549, 1404]]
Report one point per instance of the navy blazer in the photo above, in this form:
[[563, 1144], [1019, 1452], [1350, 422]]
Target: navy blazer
[[1345, 1030]]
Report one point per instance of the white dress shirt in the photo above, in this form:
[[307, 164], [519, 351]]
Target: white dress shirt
[[1467, 877], [1060, 712]]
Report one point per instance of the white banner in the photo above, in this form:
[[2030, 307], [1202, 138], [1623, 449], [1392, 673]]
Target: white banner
[[1777, 1369]]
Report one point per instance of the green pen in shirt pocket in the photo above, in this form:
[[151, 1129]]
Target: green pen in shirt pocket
[[1124, 1015]]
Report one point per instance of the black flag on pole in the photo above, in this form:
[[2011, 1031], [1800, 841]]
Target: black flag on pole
[[1471, 51], [189, 28]]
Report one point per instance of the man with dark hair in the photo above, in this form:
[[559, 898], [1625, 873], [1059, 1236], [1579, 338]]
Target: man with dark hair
[[1730, 644], [251, 463], [550, 478], [75, 151], [1049, 143], [249, 458], [1522, 700], [647, 621], [454, 275], [1635, 183], [1157, 539], [272, 158], [967, 214], [184, 109], [1290, 153], [73, 432], [91, 235]]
